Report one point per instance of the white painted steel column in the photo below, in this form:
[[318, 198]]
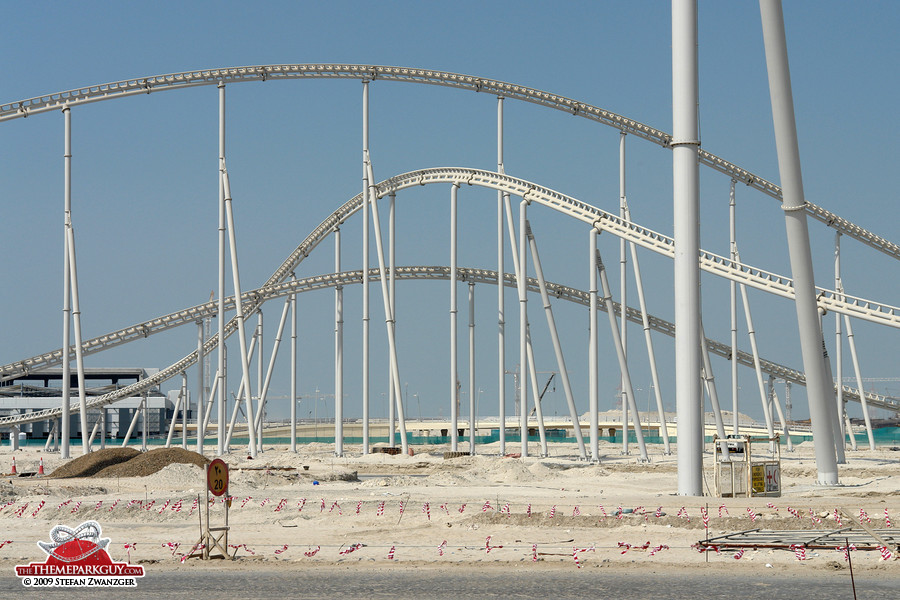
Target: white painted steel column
[[859, 383], [501, 308], [339, 350], [220, 316], [839, 344], [293, 368], [454, 368], [522, 281], [557, 347], [757, 365], [645, 323], [185, 406], [365, 249], [239, 313], [79, 354], [620, 354], [385, 297], [259, 380], [263, 398], [539, 412], [820, 391], [711, 384], [66, 417], [392, 240], [593, 376], [623, 287], [200, 380], [685, 143], [174, 417], [472, 416], [732, 228], [144, 421]]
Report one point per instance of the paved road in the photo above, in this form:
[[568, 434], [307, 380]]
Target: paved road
[[348, 583]]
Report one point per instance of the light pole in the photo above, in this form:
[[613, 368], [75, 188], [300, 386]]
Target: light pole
[[419, 404]]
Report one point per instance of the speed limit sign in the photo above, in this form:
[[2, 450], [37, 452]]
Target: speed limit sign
[[217, 477]]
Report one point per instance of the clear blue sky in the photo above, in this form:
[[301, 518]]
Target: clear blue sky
[[145, 183]]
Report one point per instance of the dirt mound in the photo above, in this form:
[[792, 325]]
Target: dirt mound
[[152, 461], [89, 464]]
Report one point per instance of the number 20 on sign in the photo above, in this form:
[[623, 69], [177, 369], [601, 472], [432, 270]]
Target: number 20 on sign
[[217, 477]]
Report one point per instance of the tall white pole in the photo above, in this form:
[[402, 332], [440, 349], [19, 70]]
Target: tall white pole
[[685, 143], [623, 287], [454, 368], [186, 403], [521, 277], [732, 228], [239, 314], [259, 378], [859, 382], [392, 225], [220, 314], [338, 351], [554, 337], [501, 322], [201, 380], [472, 417], [593, 377], [819, 387], [293, 368], [365, 252], [839, 343], [79, 354], [65, 417]]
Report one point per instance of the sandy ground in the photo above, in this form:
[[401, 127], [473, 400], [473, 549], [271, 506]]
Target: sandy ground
[[312, 507]]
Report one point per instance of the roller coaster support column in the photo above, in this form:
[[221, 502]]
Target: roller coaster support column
[[620, 354], [392, 225], [239, 313], [65, 417], [735, 426], [338, 351], [185, 407], [388, 316], [201, 394], [79, 355], [820, 391], [365, 258], [839, 344], [623, 287], [220, 316], [259, 379], [454, 367], [685, 143], [293, 368], [521, 279], [501, 322], [593, 379], [263, 402], [539, 412], [471, 368], [859, 383], [645, 323], [710, 381], [757, 365], [554, 336]]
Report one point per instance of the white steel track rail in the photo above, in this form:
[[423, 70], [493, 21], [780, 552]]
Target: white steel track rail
[[258, 73], [436, 273]]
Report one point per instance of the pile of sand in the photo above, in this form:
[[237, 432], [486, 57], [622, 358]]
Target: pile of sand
[[126, 462]]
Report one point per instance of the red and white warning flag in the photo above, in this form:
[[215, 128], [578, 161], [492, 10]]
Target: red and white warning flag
[[528, 510], [128, 549], [837, 517], [658, 512], [192, 550], [402, 506], [5, 543], [751, 514], [77, 506], [311, 553], [864, 516], [426, 508], [846, 550], [552, 511], [38, 509], [887, 519], [738, 554], [444, 508], [624, 545], [533, 552], [505, 509], [281, 505], [358, 506], [246, 500], [282, 550], [391, 553], [799, 551], [61, 504], [576, 512], [683, 513], [176, 507], [487, 506], [722, 507], [814, 517], [165, 506], [350, 548], [301, 504], [239, 546], [885, 553], [380, 510], [336, 505], [575, 556], [794, 512], [322, 506], [620, 513], [265, 501], [656, 549], [114, 504], [488, 547], [705, 514], [194, 505], [770, 505], [98, 505], [462, 508], [173, 546], [441, 548], [147, 508]]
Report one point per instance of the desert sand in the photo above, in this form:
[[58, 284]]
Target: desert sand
[[557, 512]]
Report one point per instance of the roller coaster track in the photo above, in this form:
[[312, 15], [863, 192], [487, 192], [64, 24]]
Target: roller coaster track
[[602, 220], [261, 73], [320, 282]]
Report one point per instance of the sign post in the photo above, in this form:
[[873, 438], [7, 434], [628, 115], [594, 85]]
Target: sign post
[[215, 537]]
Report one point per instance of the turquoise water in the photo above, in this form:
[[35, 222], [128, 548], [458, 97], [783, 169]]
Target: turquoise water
[[885, 436]]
